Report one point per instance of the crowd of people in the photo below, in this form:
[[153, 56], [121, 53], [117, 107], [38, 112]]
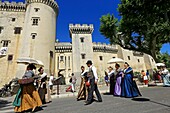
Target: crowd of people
[[34, 90], [162, 75], [121, 81]]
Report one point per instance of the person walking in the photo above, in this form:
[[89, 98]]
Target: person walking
[[129, 88], [145, 77], [27, 96], [73, 82], [42, 90], [118, 74], [83, 89], [51, 80], [92, 79]]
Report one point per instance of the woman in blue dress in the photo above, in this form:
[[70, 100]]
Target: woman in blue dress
[[129, 88]]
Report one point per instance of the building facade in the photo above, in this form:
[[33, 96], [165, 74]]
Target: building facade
[[27, 30], [71, 56]]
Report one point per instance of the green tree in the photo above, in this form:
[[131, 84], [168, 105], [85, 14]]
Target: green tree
[[144, 25], [165, 58]]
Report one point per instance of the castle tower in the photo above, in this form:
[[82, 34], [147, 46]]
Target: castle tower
[[12, 17], [39, 33], [82, 46]]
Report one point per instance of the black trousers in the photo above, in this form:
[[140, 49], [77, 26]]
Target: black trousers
[[93, 87]]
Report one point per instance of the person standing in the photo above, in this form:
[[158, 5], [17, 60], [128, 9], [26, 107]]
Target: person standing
[[73, 82], [112, 79], [83, 89], [145, 77], [165, 76], [92, 79], [129, 89], [118, 74]]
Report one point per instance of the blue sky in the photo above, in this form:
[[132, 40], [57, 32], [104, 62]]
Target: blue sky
[[86, 12]]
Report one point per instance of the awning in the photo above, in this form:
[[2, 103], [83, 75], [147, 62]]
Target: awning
[[160, 64], [27, 60], [115, 60]]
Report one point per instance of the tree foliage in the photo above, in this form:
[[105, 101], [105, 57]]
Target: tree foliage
[[165, 58], [144, 25]]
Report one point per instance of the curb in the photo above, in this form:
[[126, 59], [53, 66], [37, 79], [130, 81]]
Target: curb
[[69, 94]]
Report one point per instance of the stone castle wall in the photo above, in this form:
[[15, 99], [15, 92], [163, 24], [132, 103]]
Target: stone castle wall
[[11, 17]]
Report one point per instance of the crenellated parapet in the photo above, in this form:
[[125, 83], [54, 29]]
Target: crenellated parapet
[[81, 29], [99, 47], [12, 6], [50, 3], [135, 53], [63, 47]]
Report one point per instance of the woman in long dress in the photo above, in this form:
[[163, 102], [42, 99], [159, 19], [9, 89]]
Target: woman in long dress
[[118, 74], [43, 88], [112, 80], [129, 89], [27, 97], [166, 77], [82, 94]]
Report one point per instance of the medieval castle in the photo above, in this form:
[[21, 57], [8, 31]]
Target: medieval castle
[[28, 30]]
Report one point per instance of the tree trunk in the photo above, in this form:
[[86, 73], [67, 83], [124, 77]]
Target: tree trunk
[[153, 49]]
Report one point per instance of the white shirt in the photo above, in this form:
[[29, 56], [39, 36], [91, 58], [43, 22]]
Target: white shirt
[[51, 80], [165, 72], [94, 72], [110, 73]]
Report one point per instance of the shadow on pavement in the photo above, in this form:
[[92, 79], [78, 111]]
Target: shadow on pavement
[[107, 93], [4, 103], [141, 99], [146, 99]]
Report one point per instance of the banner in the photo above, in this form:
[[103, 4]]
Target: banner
[[3, 50]]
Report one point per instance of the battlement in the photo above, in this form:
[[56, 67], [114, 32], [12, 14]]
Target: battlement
[[81, 29], [12, 6], [63, 47], [103, 47], [50, 3]]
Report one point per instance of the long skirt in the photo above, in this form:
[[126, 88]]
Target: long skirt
[[129, 89], [112, 85], [82, 94], [166, 80], [29, 98], [117, 91], [42, 92]]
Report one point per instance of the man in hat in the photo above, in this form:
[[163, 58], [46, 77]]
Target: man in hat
[[92, 79]]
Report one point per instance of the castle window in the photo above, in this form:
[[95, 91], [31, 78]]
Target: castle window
[[13, 19], [36, 9], [128, 57], [101, 58], [152, 60], [10, 57], [17, 30], [5, 43], [61, 58], [33, 35], [35, 21], [51, 54], [83, 56], [82, 39], [1, 28], [138, 60]]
